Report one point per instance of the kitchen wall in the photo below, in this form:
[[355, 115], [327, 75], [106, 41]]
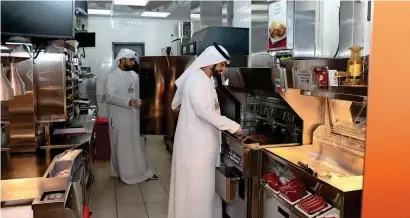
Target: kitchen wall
[[259, 27], [242, 13], [253, 15], [156, 34], [242, 17]]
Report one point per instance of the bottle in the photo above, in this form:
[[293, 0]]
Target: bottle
[[354, 64], [277, 72]]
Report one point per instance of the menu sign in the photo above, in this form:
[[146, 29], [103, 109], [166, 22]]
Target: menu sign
[[277, 25]]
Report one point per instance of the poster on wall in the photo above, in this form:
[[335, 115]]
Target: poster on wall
[[277, 25]]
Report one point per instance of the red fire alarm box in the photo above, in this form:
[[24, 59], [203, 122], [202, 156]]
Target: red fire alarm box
[[322, 77]]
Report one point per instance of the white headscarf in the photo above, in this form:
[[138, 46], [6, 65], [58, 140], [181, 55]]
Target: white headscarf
[[124, 53], [208, 57]]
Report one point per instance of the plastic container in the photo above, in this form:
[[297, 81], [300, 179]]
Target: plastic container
[[102, 149]]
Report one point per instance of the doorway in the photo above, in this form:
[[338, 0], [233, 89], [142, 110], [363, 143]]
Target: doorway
[[138, 47]]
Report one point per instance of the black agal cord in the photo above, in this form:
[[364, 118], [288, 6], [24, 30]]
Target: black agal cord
[[221, 52]]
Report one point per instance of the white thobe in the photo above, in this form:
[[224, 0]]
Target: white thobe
[[128, 155], [196, 151]]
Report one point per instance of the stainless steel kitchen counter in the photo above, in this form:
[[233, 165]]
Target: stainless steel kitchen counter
[[24, 191], [25, 166], [306, 153], [22, 166]]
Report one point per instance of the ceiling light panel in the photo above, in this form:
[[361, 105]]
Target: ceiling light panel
[[195, 16], [99, 12], [131, 2], [154, 14]]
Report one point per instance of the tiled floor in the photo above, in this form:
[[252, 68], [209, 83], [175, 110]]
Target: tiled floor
[[110, 198]]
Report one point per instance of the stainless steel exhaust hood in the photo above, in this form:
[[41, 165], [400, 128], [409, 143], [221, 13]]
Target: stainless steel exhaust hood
[[234, 40], [15, 80], [6, 92], [250, 79]]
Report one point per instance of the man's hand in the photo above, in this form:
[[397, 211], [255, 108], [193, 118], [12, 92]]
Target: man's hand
[[135, 103], [239, 131]]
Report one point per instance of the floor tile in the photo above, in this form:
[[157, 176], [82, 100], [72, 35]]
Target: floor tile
[[153, 191], [101, 164], [165, 175], [110, 196], [155, 197], [164, 168], [102, 174], [130, 199], [167, 184], [123, 189], [101, 203], [159, 216], [102, 184], [150, 185], [104, 213], [101, 192], [132, 211], [157, 208]]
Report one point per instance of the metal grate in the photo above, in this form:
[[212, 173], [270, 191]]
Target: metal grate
[[325, 171], [343, 136]]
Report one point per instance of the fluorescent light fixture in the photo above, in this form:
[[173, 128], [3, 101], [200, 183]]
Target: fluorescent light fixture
[[5, 48], [18, 43], [99, 12], [154, 14], [131, 2], [195, 16], [259, 7]]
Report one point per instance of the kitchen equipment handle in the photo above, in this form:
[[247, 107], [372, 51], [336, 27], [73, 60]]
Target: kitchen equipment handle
[[240, 137], [306, 168], [283, 213]]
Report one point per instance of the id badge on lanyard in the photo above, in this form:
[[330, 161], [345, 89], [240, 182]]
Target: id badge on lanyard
[[217, 107], [131, 89]]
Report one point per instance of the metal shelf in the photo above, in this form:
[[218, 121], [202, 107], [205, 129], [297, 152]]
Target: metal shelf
[[355, 94]]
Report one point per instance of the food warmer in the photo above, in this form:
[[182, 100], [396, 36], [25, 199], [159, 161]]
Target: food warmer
[[331, 167], [324, 176], [51, 89], [267, 120]]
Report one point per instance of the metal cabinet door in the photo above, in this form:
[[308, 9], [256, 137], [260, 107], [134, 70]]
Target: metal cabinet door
[[274, 209]]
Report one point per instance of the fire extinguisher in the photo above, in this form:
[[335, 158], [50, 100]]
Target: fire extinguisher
[[86, 212]]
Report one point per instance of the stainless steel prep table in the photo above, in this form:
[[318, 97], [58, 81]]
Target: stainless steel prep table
[[35, 165], [27, 181]]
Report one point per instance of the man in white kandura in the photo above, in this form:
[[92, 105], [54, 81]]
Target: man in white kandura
[[121, 92], [197, 138]]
